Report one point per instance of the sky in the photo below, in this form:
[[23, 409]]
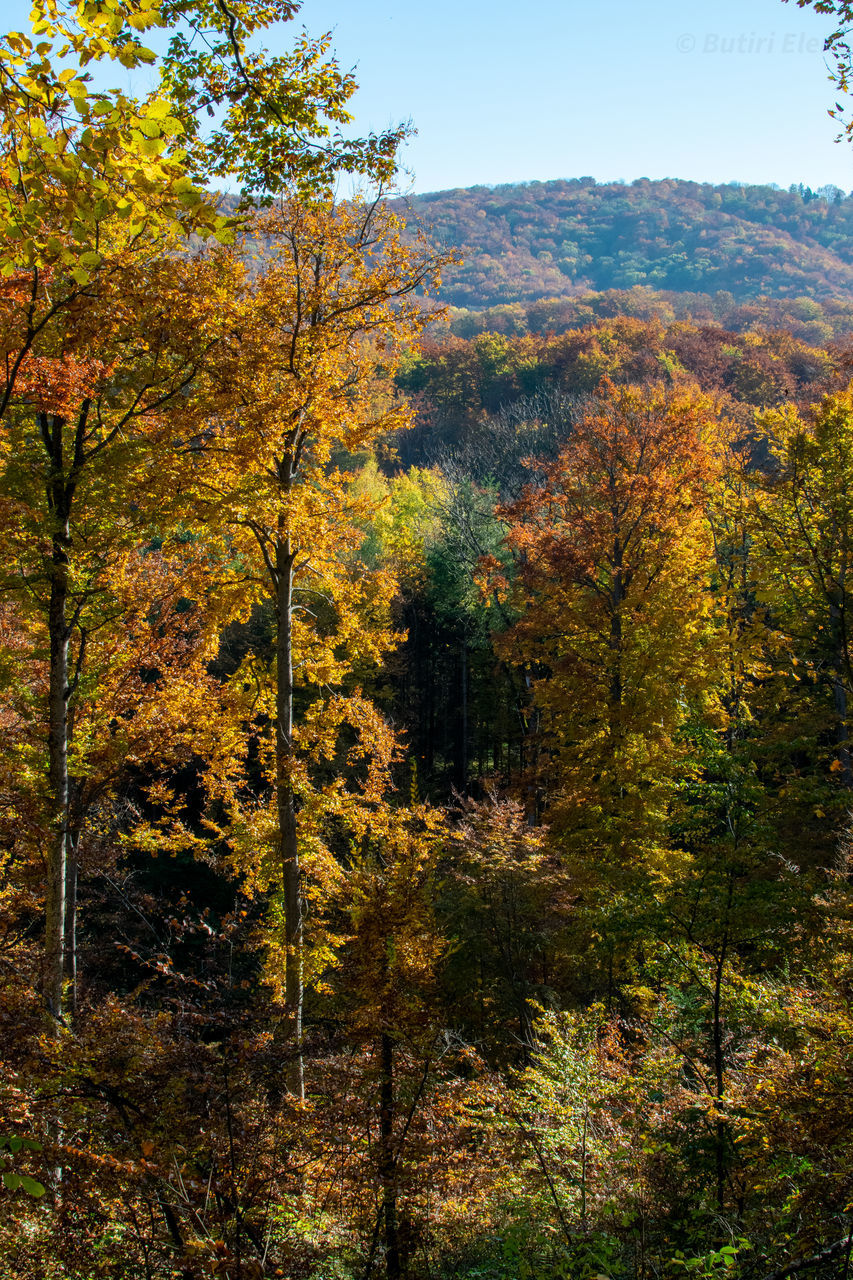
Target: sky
[[729, 91], [737, 90]]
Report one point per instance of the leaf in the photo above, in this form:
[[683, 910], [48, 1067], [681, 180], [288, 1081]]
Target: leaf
[[31, 1186]]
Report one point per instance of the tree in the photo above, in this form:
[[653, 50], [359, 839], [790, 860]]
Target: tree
[[89, 476], [388, 985], [83, 167], [98, 192], [294, 393], [616, 626], [804, 513], [505, 903], [614, 559]]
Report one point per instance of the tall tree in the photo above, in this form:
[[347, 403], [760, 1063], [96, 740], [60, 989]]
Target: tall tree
[[614, 565], [803, 516], [89, 475], [98, 192], [296, 391]]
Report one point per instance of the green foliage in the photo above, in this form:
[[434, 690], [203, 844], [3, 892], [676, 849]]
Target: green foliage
[[19, 1181]]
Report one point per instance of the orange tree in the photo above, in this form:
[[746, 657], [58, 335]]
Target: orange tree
[[88, 476], [614, 555], [387, 995], [616, 626]]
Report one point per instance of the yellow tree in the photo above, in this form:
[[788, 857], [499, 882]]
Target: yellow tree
[[86, 169], [803, 516], [641, 652], [142, 704], [304, 383]]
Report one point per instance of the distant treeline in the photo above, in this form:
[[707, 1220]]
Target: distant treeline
[[537, 240]]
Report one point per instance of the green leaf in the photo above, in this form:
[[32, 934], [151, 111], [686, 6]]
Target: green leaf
[[31, 1186]]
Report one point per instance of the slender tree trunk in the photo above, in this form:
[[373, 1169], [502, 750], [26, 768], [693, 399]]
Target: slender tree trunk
[[61, 478], [717, 1030], [617, 598], [289, 849], [57, 748], [387, 1161], [429, 660], [463, 692], [616, 692], [839, 695], [71, 877], [583, 1165]]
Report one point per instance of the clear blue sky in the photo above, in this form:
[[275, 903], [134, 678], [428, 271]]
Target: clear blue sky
[[500, 92]]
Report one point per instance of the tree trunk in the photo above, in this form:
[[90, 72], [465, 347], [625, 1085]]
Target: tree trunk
[[57, 749], [839, 694], [462, 768], [617, 598], [71, 876], [286, 801], [717, 1031], [387, 1161]]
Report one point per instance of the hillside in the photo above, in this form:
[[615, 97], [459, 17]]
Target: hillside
[[525, 242]]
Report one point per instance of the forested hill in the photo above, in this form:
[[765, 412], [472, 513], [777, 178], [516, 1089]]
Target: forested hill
[[550, 239]]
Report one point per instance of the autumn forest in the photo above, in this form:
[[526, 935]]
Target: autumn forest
[[426, 691]]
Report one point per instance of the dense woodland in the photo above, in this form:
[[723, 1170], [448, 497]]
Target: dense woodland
[[537, 240], [818, 324], [425, 797]]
